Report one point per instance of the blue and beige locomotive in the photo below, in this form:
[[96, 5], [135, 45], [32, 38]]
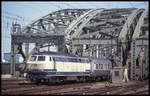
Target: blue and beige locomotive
[[59, 67]]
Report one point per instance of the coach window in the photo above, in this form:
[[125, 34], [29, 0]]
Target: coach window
[[41, 58], [96, 66], [110, 66], [101, 66], [33, 58]]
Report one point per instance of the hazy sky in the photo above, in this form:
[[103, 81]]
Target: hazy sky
[[25, 12]]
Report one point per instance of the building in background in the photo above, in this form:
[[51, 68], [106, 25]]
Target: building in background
[[7, 57]]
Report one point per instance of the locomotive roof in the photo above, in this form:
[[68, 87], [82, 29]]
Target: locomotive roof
[[95, 60], [55, 54]]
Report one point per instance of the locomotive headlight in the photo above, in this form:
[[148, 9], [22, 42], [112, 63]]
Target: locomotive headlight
[[91, 72]]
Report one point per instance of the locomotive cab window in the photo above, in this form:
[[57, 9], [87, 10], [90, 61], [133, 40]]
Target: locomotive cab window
[[96, 66], [33, 58], [79, 60], [99, 66], [41, 58]]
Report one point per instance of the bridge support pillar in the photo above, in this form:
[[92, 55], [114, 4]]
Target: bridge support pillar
[[13, 57]]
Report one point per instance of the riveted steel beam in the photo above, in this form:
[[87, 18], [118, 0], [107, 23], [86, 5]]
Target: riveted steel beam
[[136, 46], [38, 39], [82, 41], [140, 23]]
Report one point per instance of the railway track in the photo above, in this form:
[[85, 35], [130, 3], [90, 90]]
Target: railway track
[[99, 91], [126, 89], [28, 88], [86, 88], [85, 91]]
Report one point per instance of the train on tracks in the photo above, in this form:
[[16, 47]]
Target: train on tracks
[[60, 67]]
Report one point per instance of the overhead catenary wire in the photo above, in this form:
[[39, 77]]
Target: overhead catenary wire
[[145, 5], [6, 12], [25, 4], [93, 4], [15, 16], [69, 5], [55, 5], [12, 18], [131, 4]]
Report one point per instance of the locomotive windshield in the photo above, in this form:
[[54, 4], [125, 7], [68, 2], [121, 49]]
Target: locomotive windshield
[[33, 58], [41, 58]]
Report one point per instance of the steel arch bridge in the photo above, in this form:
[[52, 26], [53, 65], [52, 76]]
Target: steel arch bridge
[[71, 29]]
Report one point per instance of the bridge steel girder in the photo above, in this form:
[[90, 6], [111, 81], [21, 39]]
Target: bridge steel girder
[[136, 46], [140, 23], [96, 42], [95, 33], [75, 29], [12, 64], [130, 23], [56, 39], [59, 20], [81, 21], [106, 41], [37, 39], [127, 32]]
